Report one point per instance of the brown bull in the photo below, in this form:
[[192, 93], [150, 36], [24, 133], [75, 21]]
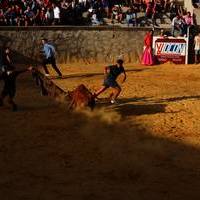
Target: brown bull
[[81, 97]]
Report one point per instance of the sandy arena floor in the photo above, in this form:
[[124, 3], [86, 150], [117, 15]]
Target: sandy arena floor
[[145, 147]]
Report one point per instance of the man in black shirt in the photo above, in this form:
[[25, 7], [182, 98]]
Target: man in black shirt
[[6, 59], [111, 73], [9, 76]]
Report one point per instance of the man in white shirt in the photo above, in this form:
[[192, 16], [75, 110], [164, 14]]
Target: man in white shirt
[[56, 12], [197, 47], [177, 25]]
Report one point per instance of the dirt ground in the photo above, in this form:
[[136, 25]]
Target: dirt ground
[[145, 147]]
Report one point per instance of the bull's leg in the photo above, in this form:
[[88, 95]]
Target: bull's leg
[[71, 105]]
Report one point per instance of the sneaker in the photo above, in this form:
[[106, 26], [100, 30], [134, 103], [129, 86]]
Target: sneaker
[[47, 75], [113, 101]]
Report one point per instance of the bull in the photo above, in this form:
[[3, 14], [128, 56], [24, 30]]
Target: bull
[[81, 98]]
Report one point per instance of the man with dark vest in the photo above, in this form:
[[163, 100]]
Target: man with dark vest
[[111, 73]]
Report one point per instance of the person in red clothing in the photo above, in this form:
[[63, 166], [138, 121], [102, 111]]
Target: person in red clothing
[[147, 56]]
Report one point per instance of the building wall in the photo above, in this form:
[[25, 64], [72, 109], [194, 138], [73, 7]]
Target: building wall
[[75, 44]]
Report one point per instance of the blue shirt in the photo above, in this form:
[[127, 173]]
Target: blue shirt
[[49, 50]]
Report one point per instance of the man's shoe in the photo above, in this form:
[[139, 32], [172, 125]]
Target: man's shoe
[[113, 101]]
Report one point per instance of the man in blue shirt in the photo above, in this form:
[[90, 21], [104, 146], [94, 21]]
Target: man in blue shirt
[[49, 57], [111, 73]]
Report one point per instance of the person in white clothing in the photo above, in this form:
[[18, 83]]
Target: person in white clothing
[[197, 47], [56, 12], [177, 26]]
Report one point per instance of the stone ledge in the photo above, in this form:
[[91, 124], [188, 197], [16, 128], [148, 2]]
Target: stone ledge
[[90, 28]]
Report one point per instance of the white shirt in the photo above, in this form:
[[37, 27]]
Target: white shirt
[[82, 1], [176, 21], [197, 42], [56, 12]]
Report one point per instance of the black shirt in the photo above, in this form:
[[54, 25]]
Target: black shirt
[[114, 72], [9, 78], [5, 60]]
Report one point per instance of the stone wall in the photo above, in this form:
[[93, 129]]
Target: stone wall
[[75, 44]]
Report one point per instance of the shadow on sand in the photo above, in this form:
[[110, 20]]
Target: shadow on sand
[[89, 75], [174, 99], [138, 109]]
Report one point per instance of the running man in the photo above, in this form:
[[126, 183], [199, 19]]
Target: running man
[[9, 76], [49, 57], [111, 73]]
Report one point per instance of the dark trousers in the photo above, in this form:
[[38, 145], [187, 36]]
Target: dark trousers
[[10, 92], [51, 61]]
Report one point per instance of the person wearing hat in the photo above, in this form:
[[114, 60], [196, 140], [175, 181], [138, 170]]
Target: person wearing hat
[[111, 73], [9, 76]]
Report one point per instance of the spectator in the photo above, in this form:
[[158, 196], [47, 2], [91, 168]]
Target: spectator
[[156, 11], [94, 19], [196, 3], [56, 14], [47, 12], [131, 17], [149, 12], [105, 6], [116, 14], [173, 10], [167, 4], [2, 18], [177, 26], [188, 19], [49, 16], [197, 47]]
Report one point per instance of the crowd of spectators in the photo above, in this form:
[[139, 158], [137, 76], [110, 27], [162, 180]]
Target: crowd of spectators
[[82, 12], [181, 23]]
